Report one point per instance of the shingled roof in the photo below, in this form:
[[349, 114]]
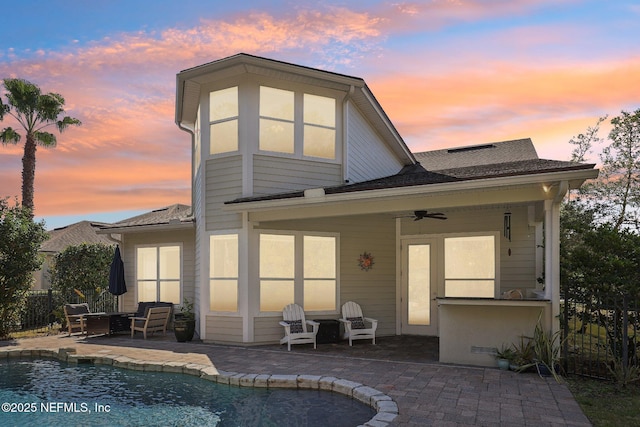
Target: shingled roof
[[510, 158], [174, 214], [75, 234]]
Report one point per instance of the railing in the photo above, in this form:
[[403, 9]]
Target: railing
[[43, 311], [600, 333]]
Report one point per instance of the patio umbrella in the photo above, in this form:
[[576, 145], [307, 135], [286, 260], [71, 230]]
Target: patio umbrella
[[117, 285]]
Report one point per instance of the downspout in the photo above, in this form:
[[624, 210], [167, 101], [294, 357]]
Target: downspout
[[345, 133]]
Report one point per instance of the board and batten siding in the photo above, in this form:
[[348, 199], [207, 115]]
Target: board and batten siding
[[223, 183], [374, 290], [368, 156], [272, 175], [132, 240]]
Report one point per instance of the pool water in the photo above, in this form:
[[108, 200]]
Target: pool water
[[48, 392]]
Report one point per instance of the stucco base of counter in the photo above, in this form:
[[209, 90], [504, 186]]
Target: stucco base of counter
[[471, 330]]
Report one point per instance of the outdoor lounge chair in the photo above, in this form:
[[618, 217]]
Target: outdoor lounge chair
[[354, 323], [156, 320], [74, 314], [295, 327]]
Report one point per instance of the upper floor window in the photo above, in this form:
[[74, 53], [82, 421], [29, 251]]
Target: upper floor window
[[223, 120], [292, 122], [158, 273], [276, 120], [319, 126]]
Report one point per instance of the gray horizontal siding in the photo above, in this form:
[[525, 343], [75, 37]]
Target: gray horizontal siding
[[368, 156], [223, 183], [224, 329], [272, 175]]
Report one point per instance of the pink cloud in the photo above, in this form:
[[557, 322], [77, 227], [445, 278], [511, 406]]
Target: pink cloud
[[129, 154]]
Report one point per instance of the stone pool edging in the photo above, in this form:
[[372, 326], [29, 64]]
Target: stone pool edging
[[386, 408]]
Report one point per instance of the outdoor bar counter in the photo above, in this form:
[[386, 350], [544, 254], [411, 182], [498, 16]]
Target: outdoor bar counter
[[472, 328]]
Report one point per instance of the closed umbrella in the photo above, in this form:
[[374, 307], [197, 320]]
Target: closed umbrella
[[117, 285]]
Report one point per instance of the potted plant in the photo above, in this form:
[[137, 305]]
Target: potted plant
[[505, 356], [546, 349], [523, 354], [184, 325]]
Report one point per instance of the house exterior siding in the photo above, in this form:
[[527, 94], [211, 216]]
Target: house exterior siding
[[368, 156], [224, 329], [223, 183], [273, 175]]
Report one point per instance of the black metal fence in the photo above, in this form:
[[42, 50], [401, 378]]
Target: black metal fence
[[43, 311], [600, 333]]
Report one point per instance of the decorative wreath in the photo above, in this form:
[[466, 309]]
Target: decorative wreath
[[365, 261]]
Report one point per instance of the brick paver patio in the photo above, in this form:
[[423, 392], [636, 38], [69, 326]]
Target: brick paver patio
[[404, 368]]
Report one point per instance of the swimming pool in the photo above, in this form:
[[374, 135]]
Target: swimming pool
[[45, 392]]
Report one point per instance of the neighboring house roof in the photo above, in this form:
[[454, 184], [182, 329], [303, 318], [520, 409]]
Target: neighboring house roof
[[174, 216], [75, 234], [513, 158]]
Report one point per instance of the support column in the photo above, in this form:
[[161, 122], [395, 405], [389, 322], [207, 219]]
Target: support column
[[552, 260]]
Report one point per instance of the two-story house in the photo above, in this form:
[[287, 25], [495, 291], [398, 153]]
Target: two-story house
[[298, 175]]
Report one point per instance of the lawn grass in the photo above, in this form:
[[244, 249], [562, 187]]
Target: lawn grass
[[606, 405]]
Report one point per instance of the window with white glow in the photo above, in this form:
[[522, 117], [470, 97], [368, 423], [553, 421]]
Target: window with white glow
[[223, 120], [223, 272], [159, 273], [298, 268], [470, 266]]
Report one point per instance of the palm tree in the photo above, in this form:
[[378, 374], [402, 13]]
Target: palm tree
[[34, 111]]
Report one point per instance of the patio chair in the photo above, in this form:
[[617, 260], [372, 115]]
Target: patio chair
[[156, 320], [295, 327], [354, 323], [74, 314]]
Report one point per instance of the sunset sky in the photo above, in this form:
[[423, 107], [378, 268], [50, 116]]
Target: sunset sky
[[448, 73]]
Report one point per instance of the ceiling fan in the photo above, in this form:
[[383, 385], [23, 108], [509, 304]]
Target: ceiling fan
[[422, 214]]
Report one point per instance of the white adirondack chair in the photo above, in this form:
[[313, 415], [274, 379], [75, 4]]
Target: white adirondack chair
[[354, 323], [295, 327]]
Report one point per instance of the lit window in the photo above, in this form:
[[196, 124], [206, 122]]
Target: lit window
[[315, 136], [223, 272], [319, 273], [314, 286], [470, 266], [277, 267], [276, 120], [158, 273], [223, 120], [319, 126]]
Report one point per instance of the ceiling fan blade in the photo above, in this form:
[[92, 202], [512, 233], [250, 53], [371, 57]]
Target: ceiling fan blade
[[437, 216]]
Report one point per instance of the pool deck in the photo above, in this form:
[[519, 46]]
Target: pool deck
[[398, 374]]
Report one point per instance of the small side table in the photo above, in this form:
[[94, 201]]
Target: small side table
[[328, 331]]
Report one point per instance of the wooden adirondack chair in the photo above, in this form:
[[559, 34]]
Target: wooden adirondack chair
[[156, 320], [295, 327], [355, 327]]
